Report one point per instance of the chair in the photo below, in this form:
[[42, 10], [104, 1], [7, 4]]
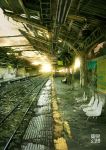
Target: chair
[[89, 104], [96, 112], [64, 80], [81, 99], [93, 106]]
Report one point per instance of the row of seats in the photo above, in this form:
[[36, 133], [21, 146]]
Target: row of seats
[[94, 107]]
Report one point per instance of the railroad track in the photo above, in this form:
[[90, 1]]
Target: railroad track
[[12, 121], [10, 92], [16, 107]]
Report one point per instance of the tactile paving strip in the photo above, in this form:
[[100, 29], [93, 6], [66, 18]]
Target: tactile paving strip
[[39, 125], [43, 110], [44, 100], [39, 134], [31, 146]]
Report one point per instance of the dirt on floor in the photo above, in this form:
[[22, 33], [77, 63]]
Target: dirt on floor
[[86, 134]]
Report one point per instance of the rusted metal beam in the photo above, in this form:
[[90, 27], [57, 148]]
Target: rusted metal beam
[[34, 46], [24, 9], [75, 50], [76, 18], [10, 36], [26, 21], [94, 37], [39, 40], [21, 50], [28, 36], [17, 45], [37, 47]]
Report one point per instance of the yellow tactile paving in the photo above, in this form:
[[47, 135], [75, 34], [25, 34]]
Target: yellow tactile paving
[[59, 125]]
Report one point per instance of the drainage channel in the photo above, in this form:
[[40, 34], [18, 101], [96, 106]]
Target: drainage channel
[[39, 133]]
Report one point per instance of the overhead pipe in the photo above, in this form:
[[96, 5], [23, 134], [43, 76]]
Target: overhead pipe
[[57, 11], [65, 11], [61, 9], [54, 38], [24, 9], [58, 16], [70, 4], [62, 12]]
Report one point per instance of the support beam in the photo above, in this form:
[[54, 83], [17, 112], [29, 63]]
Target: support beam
[[39, 40], [17, 45], [76, 18], [20, 35], [75, 50], [24, 9], [26, 21], [36, 49], [22, 50], [95, 36], [26, 35], [83, 77], [34, 46]]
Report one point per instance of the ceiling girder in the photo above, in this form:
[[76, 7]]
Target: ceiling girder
[[11, 36], [16, 45], [26, 21], [24, 9], [94, 37]]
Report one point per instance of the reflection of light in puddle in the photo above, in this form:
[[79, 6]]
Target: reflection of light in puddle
[[40, 127], [44, 98], [43, 110]]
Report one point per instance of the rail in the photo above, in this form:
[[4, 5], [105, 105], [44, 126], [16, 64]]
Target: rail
[[17, 110]]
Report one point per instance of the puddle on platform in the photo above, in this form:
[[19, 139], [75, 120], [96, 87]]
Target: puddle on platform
[[39, 134]]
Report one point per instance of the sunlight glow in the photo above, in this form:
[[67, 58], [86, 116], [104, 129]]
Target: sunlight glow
[[60, 40], [28, 53], [36, 63], [46, 68], [77, 63]]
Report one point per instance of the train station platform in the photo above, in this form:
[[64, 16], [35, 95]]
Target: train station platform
[[42, 113], [86, 134]]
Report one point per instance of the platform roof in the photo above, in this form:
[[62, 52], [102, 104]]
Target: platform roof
[[56, 28]]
